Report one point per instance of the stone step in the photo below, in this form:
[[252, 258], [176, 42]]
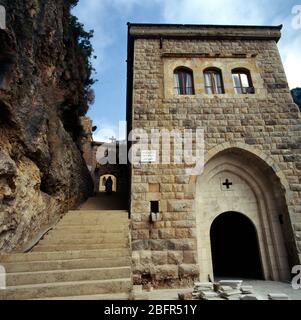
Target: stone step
[[93, 211], [91, 229], [31, 266], [64, 289], [71, 247], [88, 224], [27, 278], [65, 255], [122, 218], [94, 221], [86, 236], [91, 240], [89, 235], [88, 211], [106, 297], [98, 214]]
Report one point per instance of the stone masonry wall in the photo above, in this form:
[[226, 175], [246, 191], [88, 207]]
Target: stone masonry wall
[[165, 252]]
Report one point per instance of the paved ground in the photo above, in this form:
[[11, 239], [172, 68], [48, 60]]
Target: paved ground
[[262, 289]]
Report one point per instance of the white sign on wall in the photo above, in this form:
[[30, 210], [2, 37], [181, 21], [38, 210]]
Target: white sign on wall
[[2, 17], [148, 156]]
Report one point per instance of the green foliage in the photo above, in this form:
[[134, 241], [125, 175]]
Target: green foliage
[[79, 60], [83, 40], [296, 93], [72, 3]]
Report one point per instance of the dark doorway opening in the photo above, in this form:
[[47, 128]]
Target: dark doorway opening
[[235, 248]]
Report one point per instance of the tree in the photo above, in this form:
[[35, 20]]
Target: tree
[[296, 93]]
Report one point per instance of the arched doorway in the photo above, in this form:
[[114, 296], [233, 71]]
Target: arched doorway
[[234, 247], [236, 180], [102, 182]]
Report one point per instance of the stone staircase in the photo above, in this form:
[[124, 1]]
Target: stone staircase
[[86, 256]]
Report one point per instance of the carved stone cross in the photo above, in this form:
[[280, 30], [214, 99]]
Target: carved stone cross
[[227, 184]]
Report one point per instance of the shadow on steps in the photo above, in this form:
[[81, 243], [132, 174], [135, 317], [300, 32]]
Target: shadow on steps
[[102, 201]]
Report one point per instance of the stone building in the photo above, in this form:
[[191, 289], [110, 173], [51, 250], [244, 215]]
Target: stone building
[[242, 215]]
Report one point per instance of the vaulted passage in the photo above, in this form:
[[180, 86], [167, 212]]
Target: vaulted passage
[[235, 249]]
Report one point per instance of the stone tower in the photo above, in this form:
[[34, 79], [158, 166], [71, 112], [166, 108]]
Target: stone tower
[[241, 216]]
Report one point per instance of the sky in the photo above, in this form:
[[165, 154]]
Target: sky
[[108, 19]]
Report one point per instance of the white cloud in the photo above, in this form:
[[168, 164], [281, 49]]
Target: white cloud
[[99, 14], [107, 130], [213, 11], [290, 48], [256, 12]]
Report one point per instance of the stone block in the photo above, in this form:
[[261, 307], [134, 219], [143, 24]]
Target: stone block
[[159, 257], [175, 257], [165, 272], [141, 234], [278, 296], [141, 206], [139, 188], [188, 270], [167, 233], [182, 233], [185, 296], [154, 234], [182, 244], [140, 245], [190, 257], [158, 245], [145, 257], [182, 179], [179, 205], [166, 187], [135, 257], [249, 297], [140, 225], [154, 187]]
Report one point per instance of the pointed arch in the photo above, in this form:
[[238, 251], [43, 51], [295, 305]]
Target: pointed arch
[[256, 191]]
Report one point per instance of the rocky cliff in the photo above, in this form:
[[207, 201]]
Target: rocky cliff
[[42, 74]]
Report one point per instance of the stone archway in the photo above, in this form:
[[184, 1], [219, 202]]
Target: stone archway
[[234, 247], [102, 179], [119, 172], [235, 180]]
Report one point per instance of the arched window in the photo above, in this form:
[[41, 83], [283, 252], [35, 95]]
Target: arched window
[[213, 81], [183, 78], [242, 81]]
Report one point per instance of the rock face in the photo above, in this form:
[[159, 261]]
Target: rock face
[[42, 172]]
